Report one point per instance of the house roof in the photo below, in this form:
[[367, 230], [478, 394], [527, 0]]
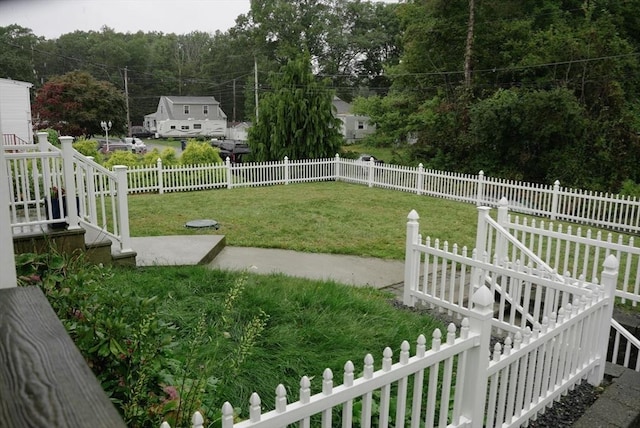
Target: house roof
[[342, 107], [191, 100], [15, 82]]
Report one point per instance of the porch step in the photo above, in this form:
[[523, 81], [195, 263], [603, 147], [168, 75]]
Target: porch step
[[98, 250]]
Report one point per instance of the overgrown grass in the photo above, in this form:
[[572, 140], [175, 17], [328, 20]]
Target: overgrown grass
[[328, 217], [310, 326]]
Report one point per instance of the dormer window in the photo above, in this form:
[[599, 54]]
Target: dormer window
[[186, 109]]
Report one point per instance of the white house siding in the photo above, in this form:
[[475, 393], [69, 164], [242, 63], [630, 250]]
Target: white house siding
[[15, 110], [187, 116]]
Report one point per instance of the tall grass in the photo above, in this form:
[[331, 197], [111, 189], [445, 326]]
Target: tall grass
[[308, 326]]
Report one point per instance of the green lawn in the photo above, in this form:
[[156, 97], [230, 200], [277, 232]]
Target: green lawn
[[327, 217]]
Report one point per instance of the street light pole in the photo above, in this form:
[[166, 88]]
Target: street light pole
[[106, 126]]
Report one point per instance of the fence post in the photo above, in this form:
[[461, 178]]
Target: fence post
[[420, 183], [371, 172], [91, 195], [286, 170], [503, 220], [43, 146], [337, 160], [7, 260], [609, 280], [480, 193], [411, 259], [70, 183], [554, 200], [474, 377], [123, 208], [159, 172], [481, 244], [229, 175]]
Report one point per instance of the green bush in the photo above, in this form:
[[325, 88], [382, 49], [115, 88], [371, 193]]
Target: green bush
[[197, 153], [121, 158], [88, 148]]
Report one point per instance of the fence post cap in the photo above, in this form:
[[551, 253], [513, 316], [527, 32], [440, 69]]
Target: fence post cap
[[413, 215], [482, 298], [611, 263]]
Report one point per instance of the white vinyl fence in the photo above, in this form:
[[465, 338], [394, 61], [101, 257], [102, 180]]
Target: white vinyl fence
[[459, 381], [552, 201], [44, 179]]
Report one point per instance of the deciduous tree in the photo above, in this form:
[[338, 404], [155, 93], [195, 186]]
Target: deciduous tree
[[76, 103]]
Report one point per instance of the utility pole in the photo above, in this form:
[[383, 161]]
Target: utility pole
[[234, 100], [126, 95], [255, 78]]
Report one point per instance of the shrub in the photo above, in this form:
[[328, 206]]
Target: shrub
[[88, 148], [121, 158], [197, 153]]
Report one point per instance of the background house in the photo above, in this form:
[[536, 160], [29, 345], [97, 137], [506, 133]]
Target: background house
[[354, 127], [184, 117], [15, 112]]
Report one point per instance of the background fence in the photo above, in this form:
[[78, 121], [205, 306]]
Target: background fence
[[552, 201]]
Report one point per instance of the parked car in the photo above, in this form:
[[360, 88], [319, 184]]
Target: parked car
[[232, 149], [368, 158], [116, 145], [137, 145], [141, 132]]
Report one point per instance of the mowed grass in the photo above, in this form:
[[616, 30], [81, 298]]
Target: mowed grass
[[327, 217]]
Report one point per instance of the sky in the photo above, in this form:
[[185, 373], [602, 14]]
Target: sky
[[52, 18]]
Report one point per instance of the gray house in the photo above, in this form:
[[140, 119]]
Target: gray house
[[184, 117], [354, 127]]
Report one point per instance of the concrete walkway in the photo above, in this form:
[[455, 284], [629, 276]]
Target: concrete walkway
[[211, 250]]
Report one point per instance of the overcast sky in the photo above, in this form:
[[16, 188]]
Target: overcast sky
[[51, 18]]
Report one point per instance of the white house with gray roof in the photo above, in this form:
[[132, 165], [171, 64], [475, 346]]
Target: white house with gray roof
[[187, 117], [354, 127]]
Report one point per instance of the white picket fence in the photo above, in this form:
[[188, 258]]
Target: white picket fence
[[459, 381], [551, 201]]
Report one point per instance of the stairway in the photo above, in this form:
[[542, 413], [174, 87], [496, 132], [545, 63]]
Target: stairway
[[97, 250]]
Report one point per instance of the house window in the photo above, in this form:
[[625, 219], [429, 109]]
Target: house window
[[197, 126], [173, 127], [205, 109], [186, 109], [361, 124], [185, 127]]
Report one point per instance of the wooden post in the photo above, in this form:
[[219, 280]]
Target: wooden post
[[337, 160], [411, 259], [609, 279], [474, 383], [286, 170], [123, 208]]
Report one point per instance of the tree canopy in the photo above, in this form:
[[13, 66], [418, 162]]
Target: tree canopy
[[447, 76], [75, 104], [296, 116]]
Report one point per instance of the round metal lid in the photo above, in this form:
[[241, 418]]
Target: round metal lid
[[202, 223]]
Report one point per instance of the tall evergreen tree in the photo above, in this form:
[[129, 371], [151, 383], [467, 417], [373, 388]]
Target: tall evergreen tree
[[295, 117]]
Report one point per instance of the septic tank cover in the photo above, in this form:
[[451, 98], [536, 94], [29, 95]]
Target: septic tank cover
[[202, 223]]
